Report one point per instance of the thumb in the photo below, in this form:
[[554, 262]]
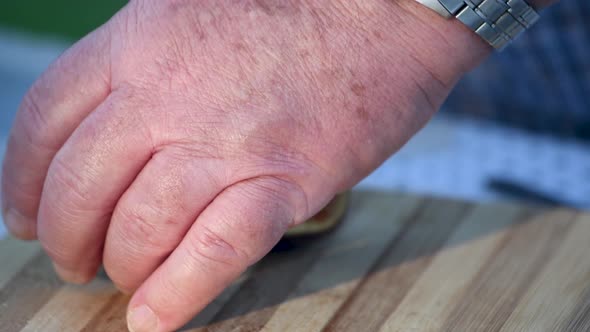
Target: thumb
[[237, 229]]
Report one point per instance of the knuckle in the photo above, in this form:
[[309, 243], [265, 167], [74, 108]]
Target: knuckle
[[279, 197], [211, 246], [35, 126], [71, 184], [140, 230], [269, 188]]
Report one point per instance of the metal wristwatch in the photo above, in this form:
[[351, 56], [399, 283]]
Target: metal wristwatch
[[496, 21]]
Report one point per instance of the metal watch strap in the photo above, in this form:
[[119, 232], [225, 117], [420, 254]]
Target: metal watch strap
[[497, 21]]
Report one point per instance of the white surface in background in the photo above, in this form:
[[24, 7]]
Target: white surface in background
[[450, 157], [456, 157]]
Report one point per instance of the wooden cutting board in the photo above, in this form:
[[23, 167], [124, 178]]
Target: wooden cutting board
[[397, 263]]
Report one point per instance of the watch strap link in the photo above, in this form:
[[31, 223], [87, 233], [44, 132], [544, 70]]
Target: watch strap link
[[497, 21]]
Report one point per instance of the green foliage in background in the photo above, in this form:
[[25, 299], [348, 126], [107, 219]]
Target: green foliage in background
[[69, 19]]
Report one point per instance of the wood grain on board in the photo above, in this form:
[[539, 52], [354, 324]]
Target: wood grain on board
[[397, 263]]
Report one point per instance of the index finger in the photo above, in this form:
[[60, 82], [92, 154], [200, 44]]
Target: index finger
[[237, 229]]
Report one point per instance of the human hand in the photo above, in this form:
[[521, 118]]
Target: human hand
[[178, 142]]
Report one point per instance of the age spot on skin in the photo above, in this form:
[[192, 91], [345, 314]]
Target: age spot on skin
[[199, 26], [199, 17], [304, 54], [274, 7], [358, 89], [178, 5], [238, 47], [362, 113]]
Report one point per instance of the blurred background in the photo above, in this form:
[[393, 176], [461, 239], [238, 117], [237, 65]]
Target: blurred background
[[518, 127]]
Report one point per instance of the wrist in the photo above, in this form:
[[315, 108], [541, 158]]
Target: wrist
[[454, 48], [393, 63], [444, 48]]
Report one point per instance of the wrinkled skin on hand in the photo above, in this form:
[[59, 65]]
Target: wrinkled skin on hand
[[179, 141]]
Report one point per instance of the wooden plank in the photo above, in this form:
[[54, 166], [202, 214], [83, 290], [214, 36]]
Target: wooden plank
[[402, 263], [536, 310], [255, 301], [579, 320], [14, 255], [398, 263], [111, 317], [494, 293], [27, 292], [340, 269], [72, 308], [428, 303], [213, 310]]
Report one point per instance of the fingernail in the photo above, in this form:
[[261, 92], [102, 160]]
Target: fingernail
[[18, 225], [69, 275], [142, 319]]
